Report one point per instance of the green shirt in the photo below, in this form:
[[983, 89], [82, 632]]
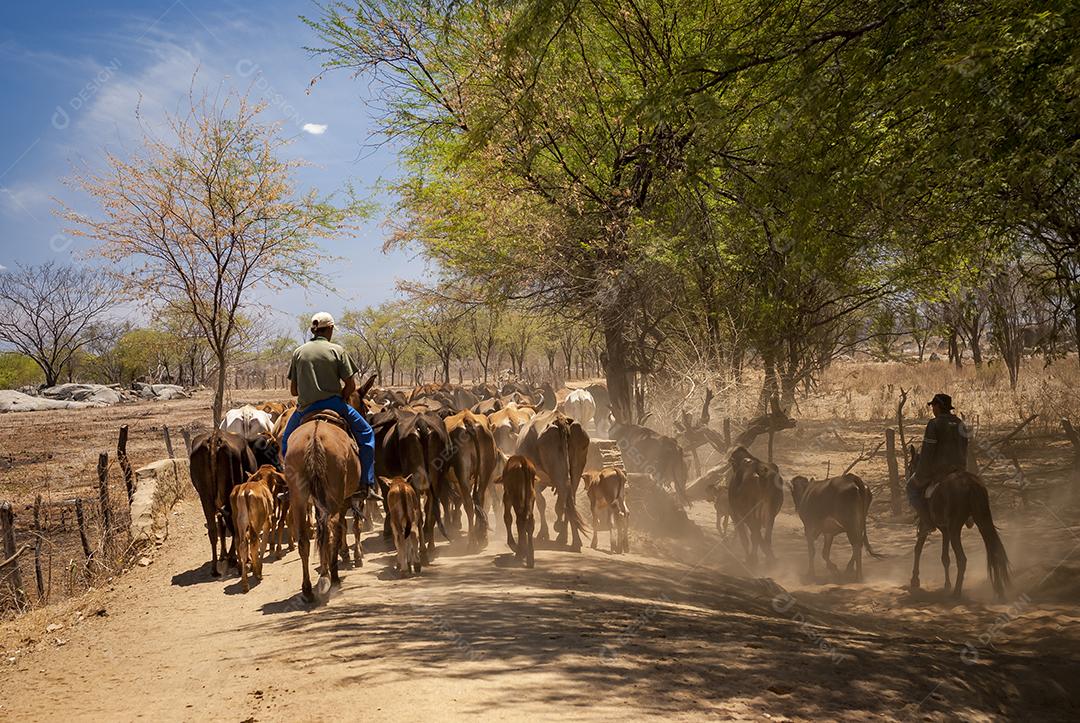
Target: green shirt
[[319, 367]]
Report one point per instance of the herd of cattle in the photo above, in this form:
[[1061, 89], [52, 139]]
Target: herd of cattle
[[446, 450], [441, 450]]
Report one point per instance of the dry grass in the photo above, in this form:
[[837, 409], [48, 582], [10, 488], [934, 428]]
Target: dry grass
[[868, 391]]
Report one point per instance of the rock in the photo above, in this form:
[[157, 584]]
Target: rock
[[12, 401], [53, 627], [145, 562], [96, 394], [159, 391]]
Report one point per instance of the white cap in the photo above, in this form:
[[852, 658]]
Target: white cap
[[322, 320]]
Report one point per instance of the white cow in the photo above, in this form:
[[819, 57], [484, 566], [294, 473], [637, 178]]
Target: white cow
[[579, 405], [247, 421]]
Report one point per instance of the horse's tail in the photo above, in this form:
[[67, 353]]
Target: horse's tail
[[997, 562], [315, 469]]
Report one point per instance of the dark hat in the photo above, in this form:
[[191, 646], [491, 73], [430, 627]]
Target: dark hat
[[943, 399]]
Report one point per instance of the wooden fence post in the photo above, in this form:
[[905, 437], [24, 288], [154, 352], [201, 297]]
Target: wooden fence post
[[7, 531], [168, 441], [187, 439], [103, 498], [125, 463], [38, 537], [894, 471], [727, 432], [80, 518]]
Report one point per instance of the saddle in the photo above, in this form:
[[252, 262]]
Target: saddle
[[325, 415]]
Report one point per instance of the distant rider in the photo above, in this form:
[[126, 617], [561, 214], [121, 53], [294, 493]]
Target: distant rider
[[944, 450], [321, 377]]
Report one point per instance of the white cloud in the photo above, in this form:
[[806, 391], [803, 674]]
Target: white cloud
[[315, 129]]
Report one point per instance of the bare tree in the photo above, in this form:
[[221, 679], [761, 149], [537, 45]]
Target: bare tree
[[208, 215], [1007, 299], [482, 326], [50, 312], [438, 327]]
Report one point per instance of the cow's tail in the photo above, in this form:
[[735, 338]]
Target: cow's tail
[[479, 499], [251, 537], [997, 561], [866, 497], [315, 469], [436, 505], [571, 511]]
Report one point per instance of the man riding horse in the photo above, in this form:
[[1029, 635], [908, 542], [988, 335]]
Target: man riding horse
[[321, 377], [944, 450]]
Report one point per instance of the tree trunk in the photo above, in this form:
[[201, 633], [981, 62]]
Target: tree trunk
[[954, 349], [219, 392], [615, 372], [768, 385]]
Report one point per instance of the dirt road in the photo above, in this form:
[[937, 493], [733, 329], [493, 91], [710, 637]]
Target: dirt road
[[584, 636]]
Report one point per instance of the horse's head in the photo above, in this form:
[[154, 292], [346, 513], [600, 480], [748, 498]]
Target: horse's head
[[913, 457]]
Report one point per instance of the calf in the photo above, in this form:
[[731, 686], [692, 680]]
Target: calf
[[519, 495], [830, 506], [252, 508], [607, 497], [403, 507]]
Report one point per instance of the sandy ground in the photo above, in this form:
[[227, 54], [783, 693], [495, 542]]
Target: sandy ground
[[583, 636], [678, 629]]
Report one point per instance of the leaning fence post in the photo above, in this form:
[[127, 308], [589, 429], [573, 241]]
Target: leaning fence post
[[894, 470], [7, 531], [38, 537], [125, 463], [103, 499], [168, 441], [187, 439], [80, 517], [727, 432]]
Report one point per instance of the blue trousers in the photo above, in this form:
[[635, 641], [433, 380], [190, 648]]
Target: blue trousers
[[361, 430]]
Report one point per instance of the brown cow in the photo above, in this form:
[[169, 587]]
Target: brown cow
[[557, 446], [252, 508], [645, 450], [472, 464], [404, 508], [274, 409], [607, 497], [219, 461], [717, 493], [831, 506], [519, 494], [506, 424], [755, 495]]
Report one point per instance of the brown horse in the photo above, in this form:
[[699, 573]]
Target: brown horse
[[954, 499], [321, 467]]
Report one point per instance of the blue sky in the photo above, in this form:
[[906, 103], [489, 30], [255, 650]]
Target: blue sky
[[73, 72]]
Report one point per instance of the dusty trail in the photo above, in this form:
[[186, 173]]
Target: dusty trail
[[588, 636]]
